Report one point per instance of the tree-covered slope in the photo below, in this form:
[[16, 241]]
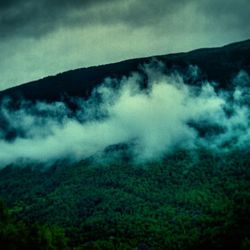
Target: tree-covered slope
[[190, 200]]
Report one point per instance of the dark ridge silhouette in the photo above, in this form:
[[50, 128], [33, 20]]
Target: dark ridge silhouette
[[216, 64]]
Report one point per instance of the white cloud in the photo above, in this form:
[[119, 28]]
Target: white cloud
[[154, 121]]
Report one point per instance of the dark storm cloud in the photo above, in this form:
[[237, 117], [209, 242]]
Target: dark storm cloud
[[35, 18], [40, 38]]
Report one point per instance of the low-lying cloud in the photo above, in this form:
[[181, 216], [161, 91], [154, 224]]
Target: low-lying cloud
[[153, 121]]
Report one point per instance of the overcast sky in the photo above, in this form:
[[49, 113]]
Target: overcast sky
[[40, 38]]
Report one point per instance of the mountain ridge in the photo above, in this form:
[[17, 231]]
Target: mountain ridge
[[227, 61]]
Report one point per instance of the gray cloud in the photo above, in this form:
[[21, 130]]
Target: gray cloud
[[232, 15], [36, 18], [40, 38]]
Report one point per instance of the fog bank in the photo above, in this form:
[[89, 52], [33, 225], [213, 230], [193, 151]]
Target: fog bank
[[166, 116]]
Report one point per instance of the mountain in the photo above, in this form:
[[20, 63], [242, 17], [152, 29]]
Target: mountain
[[217, 64], [85, 179]]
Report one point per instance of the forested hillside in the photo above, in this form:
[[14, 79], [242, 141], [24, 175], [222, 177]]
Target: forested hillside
[[144, 154], [188, 201]]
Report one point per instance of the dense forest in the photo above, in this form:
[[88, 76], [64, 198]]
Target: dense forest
[[20, 235], [189, 200]]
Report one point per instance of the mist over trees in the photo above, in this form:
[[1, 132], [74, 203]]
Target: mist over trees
[[147, 156]]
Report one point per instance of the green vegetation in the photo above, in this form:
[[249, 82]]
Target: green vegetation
[[20, 235], [191, 200]]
